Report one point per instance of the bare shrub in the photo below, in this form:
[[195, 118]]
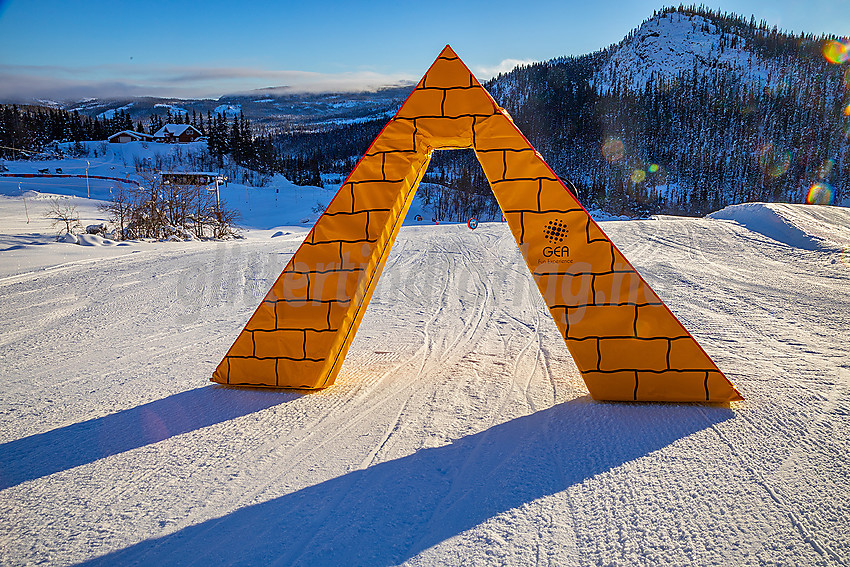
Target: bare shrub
[[64, 216], [122, 202], [161, 209]]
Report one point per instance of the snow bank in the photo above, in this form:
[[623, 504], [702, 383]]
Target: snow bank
[[599, 215], [809, 227], [94, 240]]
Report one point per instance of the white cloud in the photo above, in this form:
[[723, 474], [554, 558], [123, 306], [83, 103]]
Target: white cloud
[[484, 72], [27, 82]]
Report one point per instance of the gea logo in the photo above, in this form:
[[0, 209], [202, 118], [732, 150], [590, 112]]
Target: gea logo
[[555, 232], [557, 251]]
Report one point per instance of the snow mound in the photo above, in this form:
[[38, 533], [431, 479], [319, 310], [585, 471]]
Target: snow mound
[[87, 240], [600, 215], [809, 227]]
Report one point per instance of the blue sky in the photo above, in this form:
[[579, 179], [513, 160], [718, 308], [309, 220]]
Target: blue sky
[[71, 49]]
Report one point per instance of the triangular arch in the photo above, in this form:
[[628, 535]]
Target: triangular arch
[[624, 340]]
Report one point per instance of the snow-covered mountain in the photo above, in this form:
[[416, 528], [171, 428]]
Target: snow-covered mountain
[[671, 44]]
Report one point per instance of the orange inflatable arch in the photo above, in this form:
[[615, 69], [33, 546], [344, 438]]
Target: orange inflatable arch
[[623, 338]]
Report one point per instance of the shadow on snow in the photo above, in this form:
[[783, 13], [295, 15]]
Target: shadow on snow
[[392, 511], [85, 442]]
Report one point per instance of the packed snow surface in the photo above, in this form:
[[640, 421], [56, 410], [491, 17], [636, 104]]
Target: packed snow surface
[[459, 431]]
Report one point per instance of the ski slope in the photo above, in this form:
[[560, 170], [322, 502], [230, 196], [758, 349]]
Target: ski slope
[[459, 432]]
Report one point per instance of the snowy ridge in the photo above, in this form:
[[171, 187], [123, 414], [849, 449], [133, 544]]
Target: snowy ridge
[[171, 108], [108, 114], [360, 120]]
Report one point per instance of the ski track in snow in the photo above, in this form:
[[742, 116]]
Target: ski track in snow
[[459, 431]]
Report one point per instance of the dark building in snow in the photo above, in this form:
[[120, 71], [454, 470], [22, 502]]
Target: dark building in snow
[[125, 136]]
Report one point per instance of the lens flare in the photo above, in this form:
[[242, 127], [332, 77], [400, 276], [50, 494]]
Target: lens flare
[[819, 194], [613, 150], [638, 175], [845, 256], [774, 162], [653, 168], [836, 52]]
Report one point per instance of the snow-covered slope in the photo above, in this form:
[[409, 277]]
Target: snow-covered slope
[[279, 203], [459, 431], [275, 204]]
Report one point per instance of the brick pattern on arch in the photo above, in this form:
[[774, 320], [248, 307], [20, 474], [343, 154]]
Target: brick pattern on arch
[[624, 340]]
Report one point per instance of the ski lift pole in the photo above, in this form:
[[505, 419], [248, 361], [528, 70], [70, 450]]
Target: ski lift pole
[[217, 201], [217, 180], [25, 202]]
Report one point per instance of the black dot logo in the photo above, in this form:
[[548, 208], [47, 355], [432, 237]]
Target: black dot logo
[[555, 231]]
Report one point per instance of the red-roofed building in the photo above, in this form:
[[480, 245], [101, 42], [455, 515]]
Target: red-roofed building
[[177, 134]]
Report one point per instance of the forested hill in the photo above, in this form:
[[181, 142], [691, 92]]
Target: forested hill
[[692, 111]]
